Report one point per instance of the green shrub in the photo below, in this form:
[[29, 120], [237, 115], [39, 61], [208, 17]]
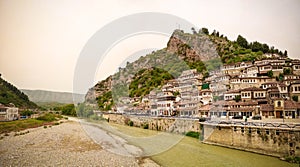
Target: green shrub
[[47, 117], [45, 126], [193, 134], [293, 159], [130, 123], [146, 126], [202, 119]]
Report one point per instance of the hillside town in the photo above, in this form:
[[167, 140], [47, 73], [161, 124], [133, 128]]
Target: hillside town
[[267, 88]]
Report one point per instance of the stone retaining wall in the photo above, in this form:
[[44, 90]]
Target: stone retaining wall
[[271, 141], [166, 124]]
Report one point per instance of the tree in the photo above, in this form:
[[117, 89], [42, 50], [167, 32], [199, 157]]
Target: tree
[[270, 73], [205, 30], [193, 30], [284, 54], [242, 41], [281, 77], [216, 98], [26, 113], [213, 33], [287, 71], [272, 49], [256, 46], [238, 98], [68, 109], [205, 86], [265, 48], [295, 98]]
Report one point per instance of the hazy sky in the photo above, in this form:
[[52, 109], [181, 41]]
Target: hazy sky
[[40, 40]]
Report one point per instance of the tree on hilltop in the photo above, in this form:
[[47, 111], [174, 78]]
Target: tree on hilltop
[[205, 30], [242, 41]]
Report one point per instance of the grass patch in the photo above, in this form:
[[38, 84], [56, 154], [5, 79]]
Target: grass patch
[[6, 127], [19, 125], [293, 159], [193, 134]]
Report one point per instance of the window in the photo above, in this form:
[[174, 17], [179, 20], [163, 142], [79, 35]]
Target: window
[[279, 104], [267, 131]]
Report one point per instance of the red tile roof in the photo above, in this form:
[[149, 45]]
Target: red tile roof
[[253, 89], [289, 104], [266, 107]]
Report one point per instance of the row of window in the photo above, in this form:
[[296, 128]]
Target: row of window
[[259, 95], [296, 88], [164, 105], [246, 94]]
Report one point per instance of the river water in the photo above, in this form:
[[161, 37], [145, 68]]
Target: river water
[[172, 150]]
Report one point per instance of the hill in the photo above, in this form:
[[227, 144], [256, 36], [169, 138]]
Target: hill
[[200, 50], [43, 96], [10, 94]]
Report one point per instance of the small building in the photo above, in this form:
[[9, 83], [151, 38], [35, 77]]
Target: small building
[[231, 95], [252, 93], [267, 110], [165, 104], [8, 113], [205, 96]]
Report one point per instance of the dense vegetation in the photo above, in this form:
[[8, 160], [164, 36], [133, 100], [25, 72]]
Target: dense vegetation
[[146, 80], [105, 102], [68, 109], [240, 50], [10, 94]]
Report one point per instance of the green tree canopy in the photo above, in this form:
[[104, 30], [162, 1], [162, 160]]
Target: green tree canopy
[[205, 30], [270, 73], [242, 41]]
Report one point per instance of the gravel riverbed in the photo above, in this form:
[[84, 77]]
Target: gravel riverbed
[[66, 144]]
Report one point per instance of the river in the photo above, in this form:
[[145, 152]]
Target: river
[[172, 150]]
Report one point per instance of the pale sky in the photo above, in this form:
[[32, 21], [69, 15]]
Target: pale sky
[[40, 40]]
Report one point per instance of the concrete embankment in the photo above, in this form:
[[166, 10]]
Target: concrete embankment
[[268, 138]]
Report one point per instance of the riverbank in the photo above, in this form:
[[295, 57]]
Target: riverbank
[[191, 152], [64, 145]]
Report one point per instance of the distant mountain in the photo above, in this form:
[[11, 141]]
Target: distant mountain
[[10, 94], [39, 96]]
